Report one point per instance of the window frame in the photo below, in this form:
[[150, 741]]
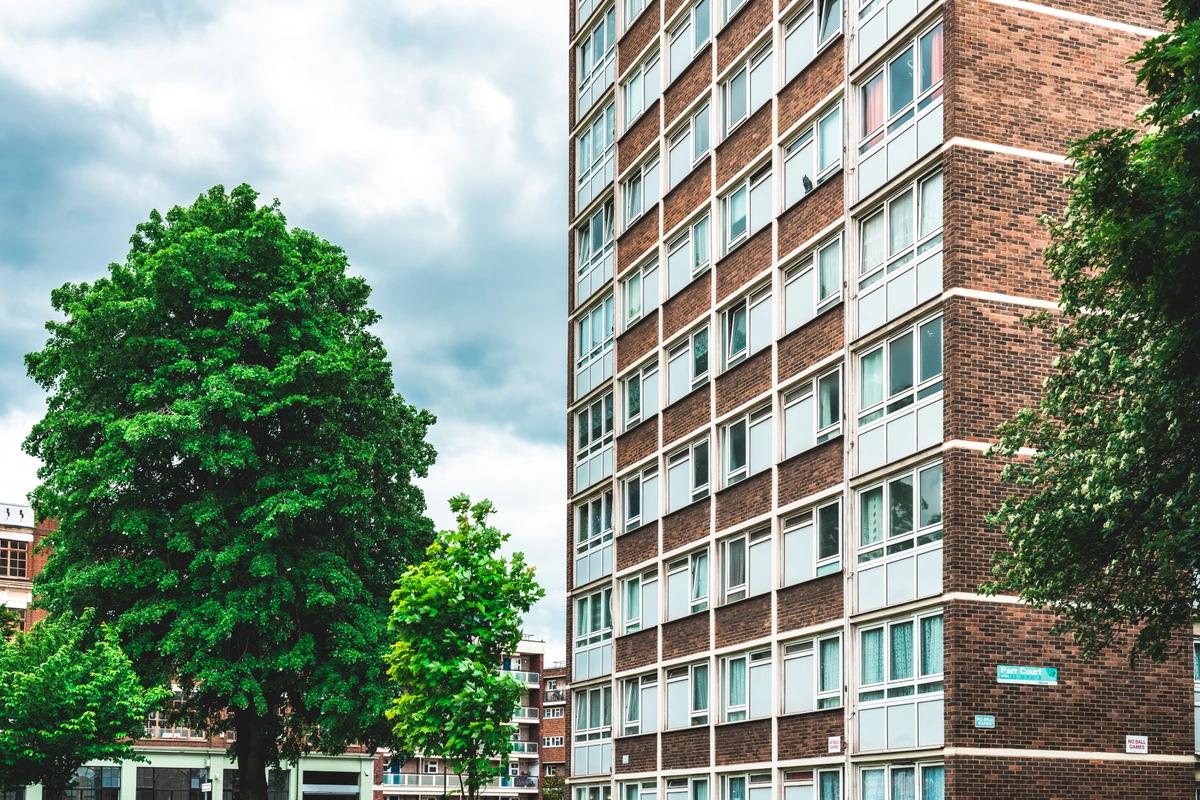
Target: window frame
[[753, 785], [817, 12], [695, 233], [816, 434], [760, 59], [637, 686], [584, 427], [688, 134], [595, 257], [584, 511], [745, 306], [751, 422], [14, 558], [648, 374], [642, 477], [591, 637], [693, 453], [641, 190], [639, 78], [689, 24], [588, 67], [812, 777], [686, 674], [808, 264], [606, 118], [648, 291], [919, 538], [918, 769], [921, 246], [895, 123], [810, 135], [921, 392], [811, 647], [590, 732], [751, 583], [689, 787], [891, 690], [813, 517], [688, 347], [757, 659], [645, 584], [757, 181], [695, 566]]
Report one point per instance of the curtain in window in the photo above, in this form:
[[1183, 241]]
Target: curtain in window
[[700, 688], [931, 58], [871, 523], [737, 789], [830, 663], [931, 645], [700, 790], [830, 261], [700, 577], [872, 784], [633, 599], [873, 104], [900, 82], [900, 228], [871, 255], [736, 695], [831, 786], [902, 651], [736, 554], [872, 659], [632, 698], [700, 353], [904, 784], [933, 783], [900, 506], [931, 204]]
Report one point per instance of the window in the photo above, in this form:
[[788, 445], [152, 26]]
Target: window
[[642, 88], [687, 585], [882, 783], [812, 674], [748, 88], [170, 783], [812, 544], [813, 286], [593, 714], [812, 156], [900, 231], [594, 151], [594, 247], [688, 256], [687, 696], [551, 770], [640, 702], [593, 634], [632, 9], [898, 378], [687, 789], [594, 792], [803, 36], [687, 475], [907, 85], [747, 445], [821, 784], [747, 787], [594, 341], [594, 427], [747, 209], [689, 36], [593, 538], [688, 146], [552, 712], [900, 683], [94, 783], [640, 292], [552, 741], [641, 498], [729, 8], [746, 686], [641, 394], [595, 57], [747, 327], [746, 565], [641, 190], [14, 558], [645, 790], [160, 725], [812, 413], [639, 600], [687, 365], [900, 520]]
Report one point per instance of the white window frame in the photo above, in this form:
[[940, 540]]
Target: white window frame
[[593, 791], [640, 790], [891, 689], [746, 786], [601, 219], [802, 557], [757, 323], [756, 576], [802, 168], [889, 260], [598, 507], [685, 678], [888, 771], [926, 386], [552, 712], [689, 255], [638, 488], [692, 570], [685, 461], [691, 788], [634, 9], [809, 28], [814, 781], [806, 290], [643, 587], [695, 23], [640, 394], [757, 77], [694, 137], [594, 338], [589, 633], [756, 190], [688, 353], [635, 692], [587, 729], [641, 88], [824, 687], [589, 442], [552, 741], [641, 190], [747, 445], [640, 292], [597, 51], [893, 545], [757, 668], [729, 8], [897, 122], [803, 407], [589, 158]]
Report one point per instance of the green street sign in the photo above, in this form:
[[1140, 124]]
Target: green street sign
[[1032, 676]]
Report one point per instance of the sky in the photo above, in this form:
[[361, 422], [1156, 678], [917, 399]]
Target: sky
[[426, 137]]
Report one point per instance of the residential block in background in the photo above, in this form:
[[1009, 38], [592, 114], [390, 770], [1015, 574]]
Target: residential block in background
[[803, 236]]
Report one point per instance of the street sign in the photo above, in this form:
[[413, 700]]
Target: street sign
[[206, 787], [835, 744], [985, 721], [1137, 744], [1033, 676]]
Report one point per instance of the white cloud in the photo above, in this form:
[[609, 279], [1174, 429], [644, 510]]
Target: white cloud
[[527, 483], [18, 472]]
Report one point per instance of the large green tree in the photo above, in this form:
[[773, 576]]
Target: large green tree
[[67, 696], [1105, 527], [456, 614], [233, 472]]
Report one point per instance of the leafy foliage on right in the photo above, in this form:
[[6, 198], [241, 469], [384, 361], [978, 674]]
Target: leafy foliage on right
[[1105, 523]]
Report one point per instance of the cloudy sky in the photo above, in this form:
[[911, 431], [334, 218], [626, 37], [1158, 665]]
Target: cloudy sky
[[427, 137]]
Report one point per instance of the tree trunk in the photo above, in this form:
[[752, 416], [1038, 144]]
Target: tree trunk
[[251, 749]]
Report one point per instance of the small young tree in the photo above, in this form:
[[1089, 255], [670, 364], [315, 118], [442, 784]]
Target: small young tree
[[64, 701], [455, 615]]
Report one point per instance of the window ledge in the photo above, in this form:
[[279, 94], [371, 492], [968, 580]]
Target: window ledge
[[816, 188], [838, 710]]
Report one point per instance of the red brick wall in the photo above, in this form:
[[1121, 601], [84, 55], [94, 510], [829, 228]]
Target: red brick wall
[[744, 500], [684, 636], [636, 649], [807, 735], [744, 742], [691, 193], [637, 342], [637, 443], [637, 37], [744, 145], [686, 525], [811, 214], [748, 22], [751, 258], [814, 82], [688, 86], [636, 753], [1012, 778], [686, 749], [811, 343], [637, 546], [686, 305], [744, 620], [639, 238], [809, 603], [685, 415], [634, 143], [811, 471], [744, 382]]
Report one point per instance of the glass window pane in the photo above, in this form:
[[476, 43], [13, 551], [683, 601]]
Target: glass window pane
[[931, 58], [872, 244], [900, 223], [831, 20], [738, 207], [873, 784], [738, 97], [831, 665], [736, 686], [900, 82], [735, 332], [762, 75], [830, 265], [871, 516], [931, 646], [703, 17], [700, 576], [829, 531], [798, 305], [831, 786], [761, 205], [900, 502], [931, 204], [799, 47], [681, 158], [873, 104], [931, 349], [736, 569], [829, 138], [904, 784], [700, 465], [872, 656], [900, 366], [931, 496], [700, 353], [872, 379], [700, 243], [901, 656], [700, 128], [828, 391], [700, 687]]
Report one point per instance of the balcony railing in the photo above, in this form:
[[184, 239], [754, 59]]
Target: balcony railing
[[525, 747], [526, 712], [555, 696], [529, 678], [452, 782]]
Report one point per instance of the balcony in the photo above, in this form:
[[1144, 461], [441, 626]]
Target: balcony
[[555, 696], [526, 714], [429, 783], [530, 679], [524, 748]]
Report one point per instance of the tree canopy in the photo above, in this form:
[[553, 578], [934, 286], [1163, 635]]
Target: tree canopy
[[233, 473], [456, 614], [1105, 527], [67, 699]]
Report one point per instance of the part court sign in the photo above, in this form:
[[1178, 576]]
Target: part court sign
[[1029, 676]]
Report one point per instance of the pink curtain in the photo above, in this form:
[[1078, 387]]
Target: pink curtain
[[935, 56], [873, 102]]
